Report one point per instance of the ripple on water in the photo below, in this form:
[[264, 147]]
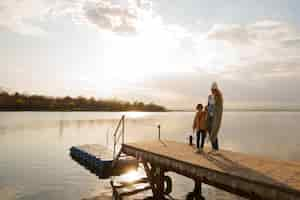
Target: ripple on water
[[8, 193]]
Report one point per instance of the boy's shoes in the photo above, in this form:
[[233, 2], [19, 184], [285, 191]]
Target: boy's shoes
[[214, 151], [199, 151]]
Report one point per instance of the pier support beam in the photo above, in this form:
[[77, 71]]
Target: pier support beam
[[197, 193], [156, 177]]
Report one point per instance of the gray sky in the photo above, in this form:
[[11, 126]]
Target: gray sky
[[164, 51]]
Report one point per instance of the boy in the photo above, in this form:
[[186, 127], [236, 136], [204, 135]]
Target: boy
[[199, 126]]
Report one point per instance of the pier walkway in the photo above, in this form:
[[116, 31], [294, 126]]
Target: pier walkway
[[249, 176]]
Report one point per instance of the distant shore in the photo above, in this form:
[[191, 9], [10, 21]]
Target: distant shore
[[23, 102], [29, 110], [228, 110]]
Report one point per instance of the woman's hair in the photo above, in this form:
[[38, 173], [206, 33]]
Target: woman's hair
[[199, 106], [219, 94]]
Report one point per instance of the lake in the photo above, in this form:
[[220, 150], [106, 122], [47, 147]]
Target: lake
[[34, 147]]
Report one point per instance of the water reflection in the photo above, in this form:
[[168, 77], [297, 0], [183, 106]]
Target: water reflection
[[7, 193], [2, 130], [61, 128], [131, 176]]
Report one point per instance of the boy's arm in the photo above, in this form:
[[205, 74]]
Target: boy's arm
[[194, 123]]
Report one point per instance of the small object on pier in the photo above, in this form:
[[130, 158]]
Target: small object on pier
[[99, 161], [191, 140], [158, 126]]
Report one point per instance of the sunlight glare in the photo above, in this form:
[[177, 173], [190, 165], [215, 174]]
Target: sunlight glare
[[147, 53], [131, 176], [136, 114]]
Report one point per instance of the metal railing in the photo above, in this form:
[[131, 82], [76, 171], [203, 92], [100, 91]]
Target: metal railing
[[118, 134]]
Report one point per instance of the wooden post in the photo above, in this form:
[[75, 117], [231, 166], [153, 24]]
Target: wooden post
[[159, 176], [198, 190], [156, 177], [149, 175], [158, 131]]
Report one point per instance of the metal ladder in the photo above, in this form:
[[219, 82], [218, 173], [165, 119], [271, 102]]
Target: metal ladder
[[119, 134]]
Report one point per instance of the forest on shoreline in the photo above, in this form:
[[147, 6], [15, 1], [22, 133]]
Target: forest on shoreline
[[23, 102]]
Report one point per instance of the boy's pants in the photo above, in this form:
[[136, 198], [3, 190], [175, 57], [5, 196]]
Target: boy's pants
[[203, 136]]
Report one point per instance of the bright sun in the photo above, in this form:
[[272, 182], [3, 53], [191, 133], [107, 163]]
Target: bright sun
[[133, 59], [157, 49], [141, 55]]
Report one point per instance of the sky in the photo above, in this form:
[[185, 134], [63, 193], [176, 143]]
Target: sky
[[167, 52]]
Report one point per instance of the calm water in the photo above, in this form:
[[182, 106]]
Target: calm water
[[34, 147]]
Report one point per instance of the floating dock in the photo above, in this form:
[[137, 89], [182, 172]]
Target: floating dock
[[99, 161], [252, 177]]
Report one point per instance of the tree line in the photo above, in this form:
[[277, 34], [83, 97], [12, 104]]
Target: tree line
[[23, 102]]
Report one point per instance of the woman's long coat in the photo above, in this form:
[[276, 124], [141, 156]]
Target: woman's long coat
[[217, 117]]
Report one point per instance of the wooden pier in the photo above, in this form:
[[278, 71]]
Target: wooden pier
[[252, 177]]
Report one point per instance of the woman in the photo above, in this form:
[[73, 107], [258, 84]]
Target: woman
[[215, 111]]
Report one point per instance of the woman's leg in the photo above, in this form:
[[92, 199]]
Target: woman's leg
[[209, 129], [215, 144], [203, 136], [212, 144]]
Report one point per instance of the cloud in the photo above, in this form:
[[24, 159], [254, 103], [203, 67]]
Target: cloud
[[295, 42], [176, 90], [245, 58], [267, 25], [260, 50], [185, 90], [232, 33], [15, 15], [114, 16], [266, 30]]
